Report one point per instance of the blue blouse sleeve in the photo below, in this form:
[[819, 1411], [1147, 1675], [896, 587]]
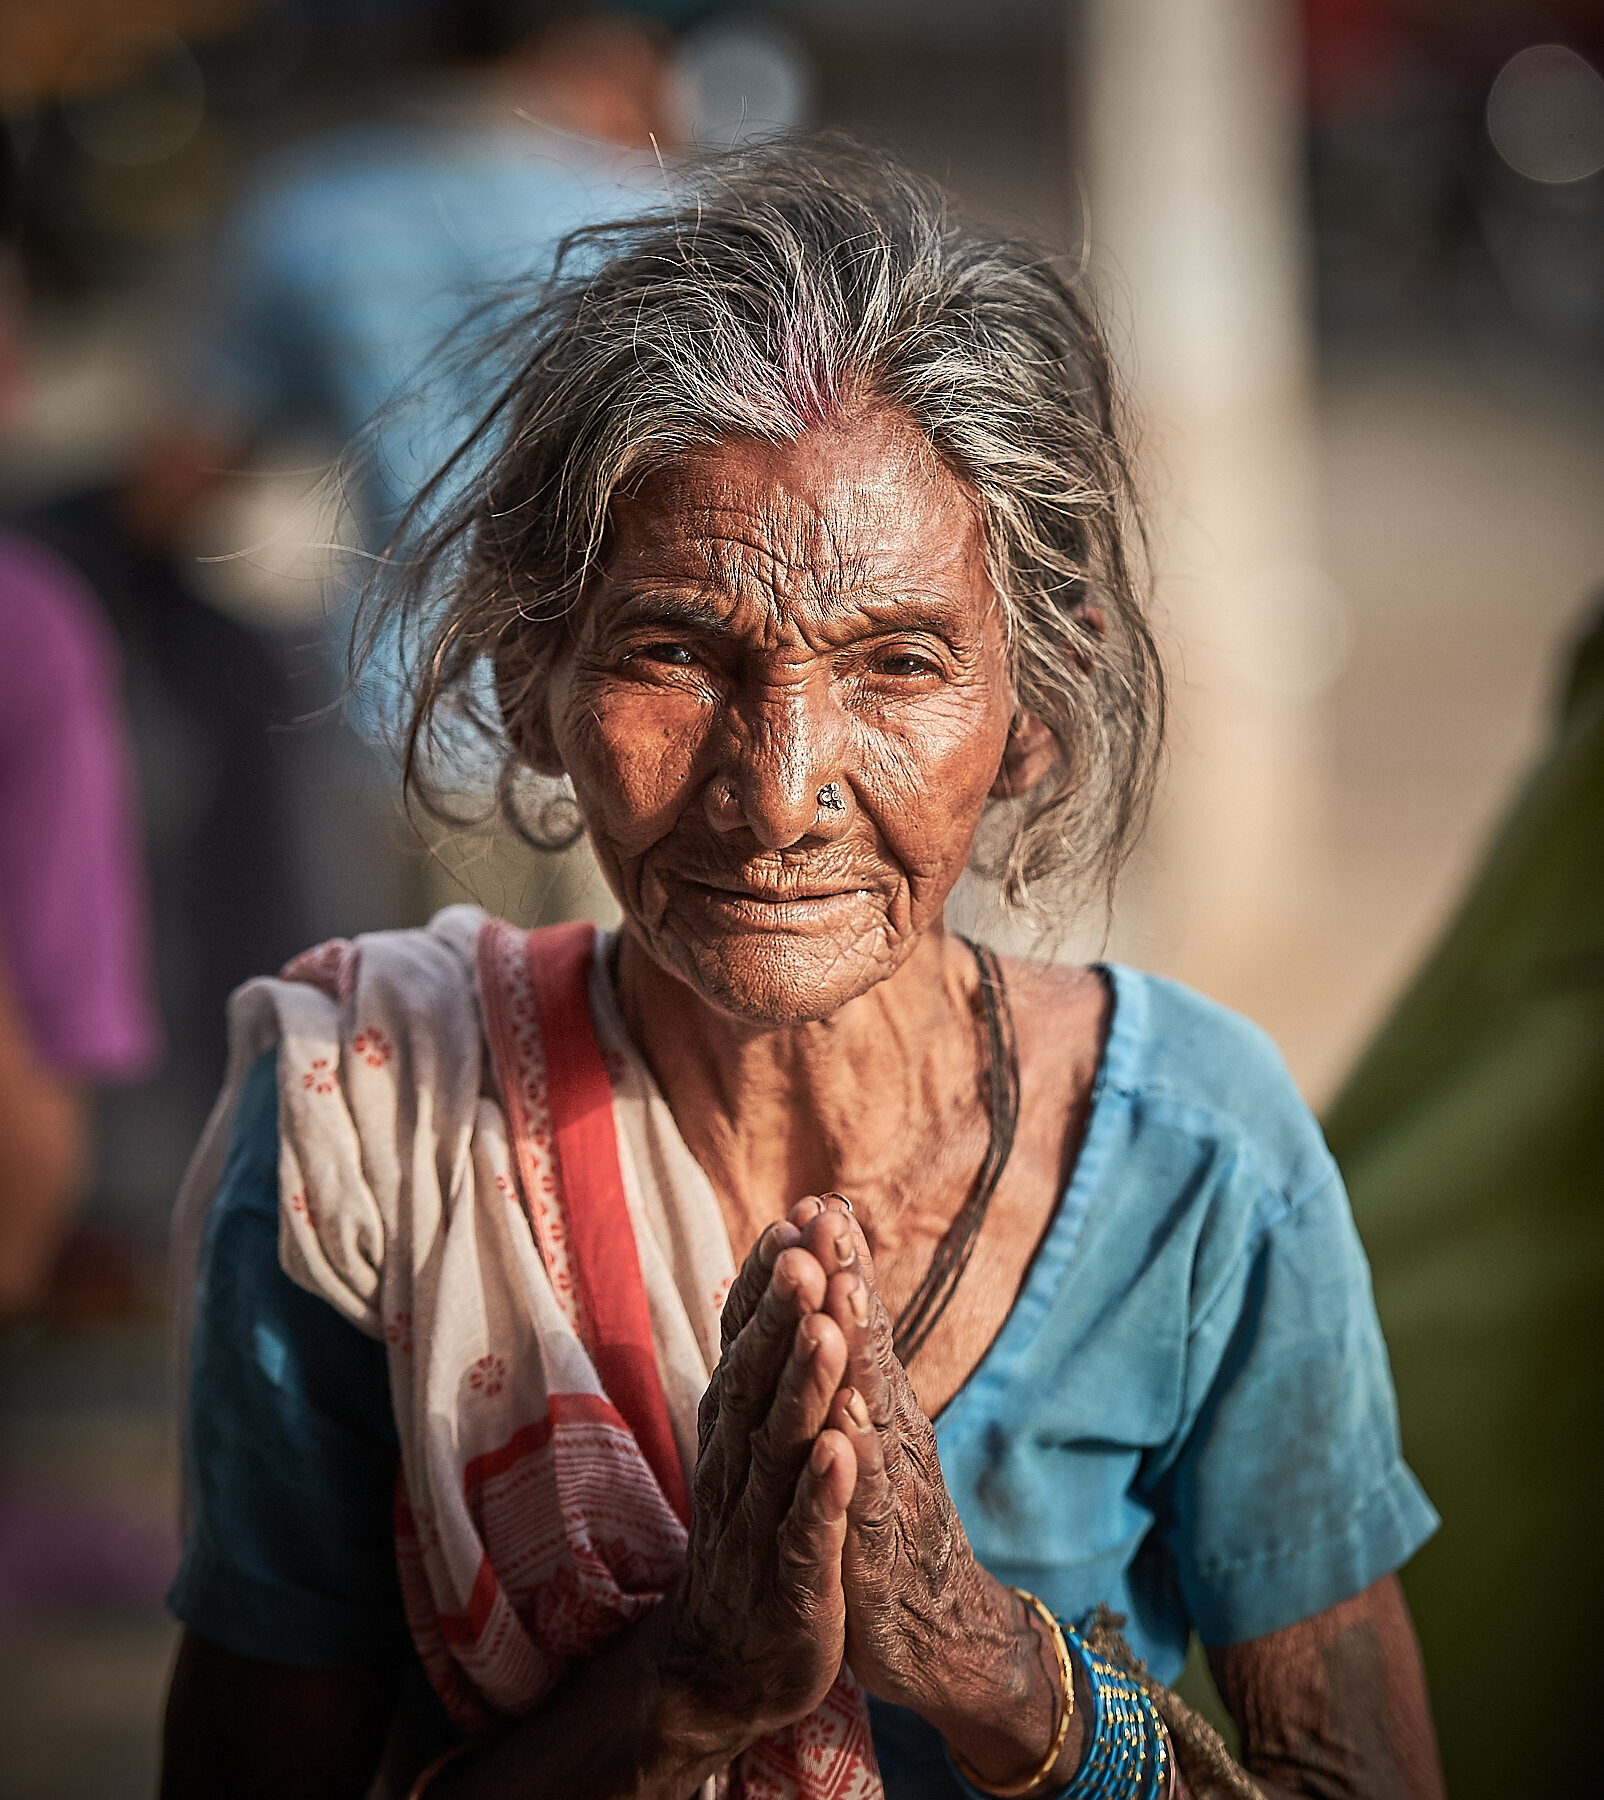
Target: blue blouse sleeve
[[290, 1448], [1287, 1490]]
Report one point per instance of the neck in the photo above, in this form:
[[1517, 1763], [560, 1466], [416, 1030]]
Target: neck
[[852, 1102]]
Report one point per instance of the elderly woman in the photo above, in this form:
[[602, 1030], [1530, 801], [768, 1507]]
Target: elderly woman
[[748, 1348]]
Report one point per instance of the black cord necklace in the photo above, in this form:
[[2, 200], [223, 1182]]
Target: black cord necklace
[[930, 1299]]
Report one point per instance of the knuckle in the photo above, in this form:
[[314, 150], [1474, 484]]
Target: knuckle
[[921, 1452], [791, 1555], [738, 1304], [742, 1393], [877, 1514]]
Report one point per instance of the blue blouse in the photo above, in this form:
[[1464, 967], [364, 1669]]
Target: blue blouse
[[1187, 1414]]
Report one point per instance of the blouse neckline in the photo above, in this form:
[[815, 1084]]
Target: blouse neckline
[[1054, 1254], [1121, 1046]]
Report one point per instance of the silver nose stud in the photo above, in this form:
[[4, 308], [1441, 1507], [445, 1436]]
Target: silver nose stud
[[829, 798]]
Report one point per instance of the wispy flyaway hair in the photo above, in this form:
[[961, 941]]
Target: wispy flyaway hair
[[781, 285]]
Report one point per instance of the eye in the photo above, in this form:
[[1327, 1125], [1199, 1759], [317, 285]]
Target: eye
[[667, 652], [906, 665]]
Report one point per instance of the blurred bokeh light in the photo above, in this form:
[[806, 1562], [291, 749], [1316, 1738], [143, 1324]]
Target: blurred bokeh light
[[1545, 114]]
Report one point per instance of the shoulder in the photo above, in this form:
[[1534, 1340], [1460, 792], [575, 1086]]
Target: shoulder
[[1191, 1067], [317, 205]]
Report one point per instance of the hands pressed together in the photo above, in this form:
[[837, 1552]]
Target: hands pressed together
[[822, 1530]]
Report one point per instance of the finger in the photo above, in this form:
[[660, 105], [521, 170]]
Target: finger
[[747, 1289], [743, 1382], [780, 1446], [830, 1237], [872, 1499], [835, 1223], [750, 1367], [850, 1298], [808, 1207], [812, 1534], [872, 1370], [872, 1512]]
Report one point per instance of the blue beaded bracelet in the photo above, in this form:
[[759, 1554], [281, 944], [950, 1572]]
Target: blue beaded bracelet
[[1126, 1755]]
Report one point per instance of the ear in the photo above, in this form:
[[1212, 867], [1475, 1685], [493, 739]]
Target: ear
[[1030, 752], [523, 694]]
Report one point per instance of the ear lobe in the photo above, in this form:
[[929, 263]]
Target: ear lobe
[[1030, 752], [522, 695]]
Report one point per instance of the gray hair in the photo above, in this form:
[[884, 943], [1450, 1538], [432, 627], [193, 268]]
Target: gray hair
[[785, 283]]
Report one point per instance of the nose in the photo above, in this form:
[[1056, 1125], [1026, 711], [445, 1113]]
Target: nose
[[784, 752]]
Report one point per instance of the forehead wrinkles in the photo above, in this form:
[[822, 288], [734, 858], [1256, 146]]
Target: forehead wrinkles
[[792, 548]]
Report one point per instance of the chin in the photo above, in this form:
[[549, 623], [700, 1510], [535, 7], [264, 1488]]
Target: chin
[[779, 979]]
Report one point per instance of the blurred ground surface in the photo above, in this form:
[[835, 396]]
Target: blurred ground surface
[[88, 1540]]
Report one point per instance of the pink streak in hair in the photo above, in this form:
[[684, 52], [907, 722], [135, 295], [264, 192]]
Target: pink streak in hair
[[808, 389]]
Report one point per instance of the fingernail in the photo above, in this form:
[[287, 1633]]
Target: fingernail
[[823, 1455], [858, 1300], [845, 1250], [806, 1346], [857, 1412], [777, 1238]]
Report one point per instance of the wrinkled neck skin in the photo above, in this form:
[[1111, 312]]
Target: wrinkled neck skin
[[852, 1102]]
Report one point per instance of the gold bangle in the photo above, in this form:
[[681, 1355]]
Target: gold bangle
[[1066, 1676]]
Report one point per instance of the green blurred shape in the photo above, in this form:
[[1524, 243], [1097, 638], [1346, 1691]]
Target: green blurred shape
[[1471, 1136]]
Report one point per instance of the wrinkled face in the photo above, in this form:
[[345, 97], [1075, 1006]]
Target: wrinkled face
[[772, 622]]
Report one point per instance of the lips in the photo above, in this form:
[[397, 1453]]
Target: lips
[[788, 895], [730, 901]]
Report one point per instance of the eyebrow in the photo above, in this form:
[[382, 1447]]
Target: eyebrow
[[650, 606], [645, 606]]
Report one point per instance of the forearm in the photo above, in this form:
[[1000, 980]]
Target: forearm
[[619, 1727], [1335, 1705], [43, 1155]]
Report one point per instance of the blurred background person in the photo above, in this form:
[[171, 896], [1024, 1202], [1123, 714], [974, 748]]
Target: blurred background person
[[1472, 1138], [75, 1002], [354, 255], [76, 1014]]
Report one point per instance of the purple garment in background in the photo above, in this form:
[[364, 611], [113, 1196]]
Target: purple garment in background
[[73, 936]]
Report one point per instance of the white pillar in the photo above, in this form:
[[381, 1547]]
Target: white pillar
[[1192, 177]]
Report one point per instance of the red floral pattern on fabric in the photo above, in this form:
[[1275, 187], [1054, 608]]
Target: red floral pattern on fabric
[[374, 1048], [320, 1078], [487, 1376]]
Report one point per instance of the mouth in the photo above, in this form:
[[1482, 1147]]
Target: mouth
[[770, 906]]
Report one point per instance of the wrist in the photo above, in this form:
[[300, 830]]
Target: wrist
[[1008, 1707], [683, 1715], [625, 1724]]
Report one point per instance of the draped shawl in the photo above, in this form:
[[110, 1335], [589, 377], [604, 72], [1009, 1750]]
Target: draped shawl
[[476, 1167]]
